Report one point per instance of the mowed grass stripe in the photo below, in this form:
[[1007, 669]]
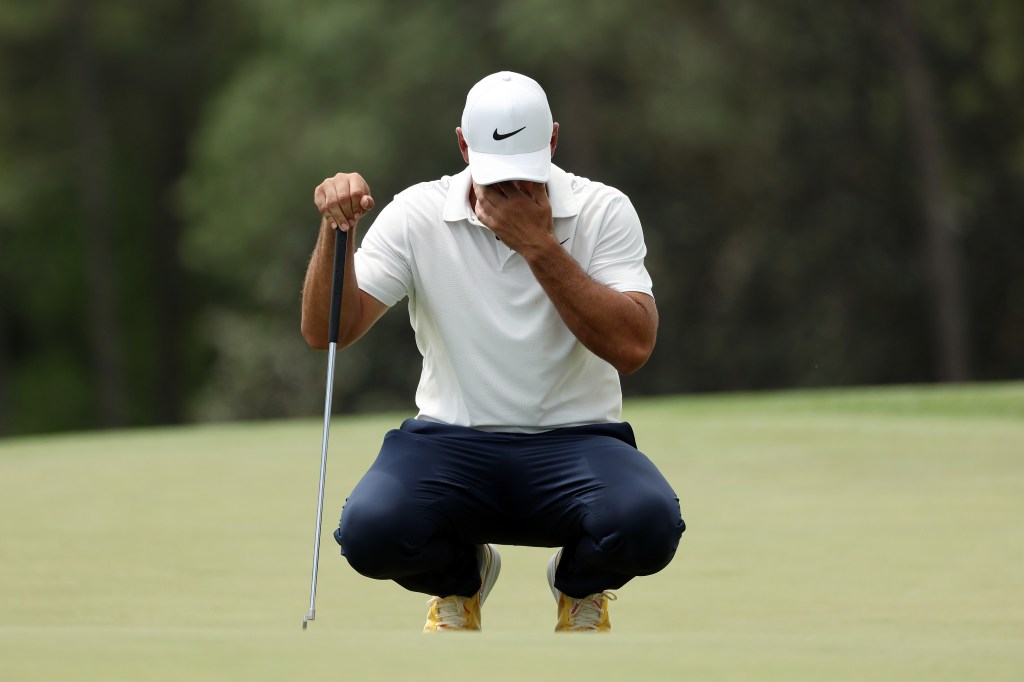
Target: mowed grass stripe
[[833, 534]]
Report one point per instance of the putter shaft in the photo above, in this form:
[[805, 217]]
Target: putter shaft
[[311, 615]]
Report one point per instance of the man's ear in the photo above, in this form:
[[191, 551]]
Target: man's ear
[[463, 145]]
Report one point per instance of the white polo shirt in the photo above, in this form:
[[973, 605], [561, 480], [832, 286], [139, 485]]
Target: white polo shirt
[[496, 354]]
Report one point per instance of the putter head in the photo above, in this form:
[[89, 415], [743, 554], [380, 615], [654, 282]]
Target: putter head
[[308, 617]]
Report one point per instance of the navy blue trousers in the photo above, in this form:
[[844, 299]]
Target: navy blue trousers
[[435, 491]]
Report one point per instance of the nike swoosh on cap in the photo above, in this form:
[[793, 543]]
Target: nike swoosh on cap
[[501, 136]]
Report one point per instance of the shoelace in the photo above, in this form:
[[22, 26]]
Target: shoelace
[[451, 611], [586, 612]]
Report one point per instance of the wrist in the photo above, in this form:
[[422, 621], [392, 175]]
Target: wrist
[[542, 250]]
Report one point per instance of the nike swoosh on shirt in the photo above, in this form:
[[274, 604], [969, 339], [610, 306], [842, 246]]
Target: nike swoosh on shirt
[[501, 136]]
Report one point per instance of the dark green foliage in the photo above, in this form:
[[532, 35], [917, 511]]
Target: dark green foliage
[[157, 163]]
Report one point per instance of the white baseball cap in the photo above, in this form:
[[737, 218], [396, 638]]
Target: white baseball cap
[[507, 125]]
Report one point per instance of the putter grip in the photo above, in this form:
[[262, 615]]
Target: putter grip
[[340, 247]]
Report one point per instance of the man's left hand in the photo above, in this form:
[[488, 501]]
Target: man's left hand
[[518, 212]]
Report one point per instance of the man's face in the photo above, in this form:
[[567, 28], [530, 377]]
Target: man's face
[[527, 187]]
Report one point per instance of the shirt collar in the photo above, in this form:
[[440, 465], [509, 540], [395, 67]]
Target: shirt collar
[[560, 194]]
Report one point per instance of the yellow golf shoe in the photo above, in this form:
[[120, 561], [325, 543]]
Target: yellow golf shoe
[[455, 612], [588, 614]]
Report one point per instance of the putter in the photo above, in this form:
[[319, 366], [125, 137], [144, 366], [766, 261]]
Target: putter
[[340, 243]]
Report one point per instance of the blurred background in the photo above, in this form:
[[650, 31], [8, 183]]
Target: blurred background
[[831, 192]]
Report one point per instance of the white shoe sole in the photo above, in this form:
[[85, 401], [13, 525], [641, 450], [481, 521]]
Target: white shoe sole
[[552, 566], [489, 560]]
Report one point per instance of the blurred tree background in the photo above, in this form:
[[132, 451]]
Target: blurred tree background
[[830, 191]]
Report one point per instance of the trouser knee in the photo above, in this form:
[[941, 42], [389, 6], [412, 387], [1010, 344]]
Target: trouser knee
[[371, 537], [642, 539]]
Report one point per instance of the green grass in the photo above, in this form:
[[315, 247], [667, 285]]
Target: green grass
[[833, 535]]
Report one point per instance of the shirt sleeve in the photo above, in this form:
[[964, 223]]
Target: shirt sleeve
[[383, 259], [618, 260]]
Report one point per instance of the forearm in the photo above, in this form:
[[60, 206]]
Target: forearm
[[316, 292], [619, 328]]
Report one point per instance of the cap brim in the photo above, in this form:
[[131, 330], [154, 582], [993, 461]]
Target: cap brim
[[488, 169]]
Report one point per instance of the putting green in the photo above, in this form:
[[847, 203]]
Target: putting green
[[840, 535]]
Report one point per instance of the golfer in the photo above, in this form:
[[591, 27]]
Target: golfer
[[528, 297]]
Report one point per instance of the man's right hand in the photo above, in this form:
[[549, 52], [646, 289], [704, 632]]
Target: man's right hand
[[343, 199]]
